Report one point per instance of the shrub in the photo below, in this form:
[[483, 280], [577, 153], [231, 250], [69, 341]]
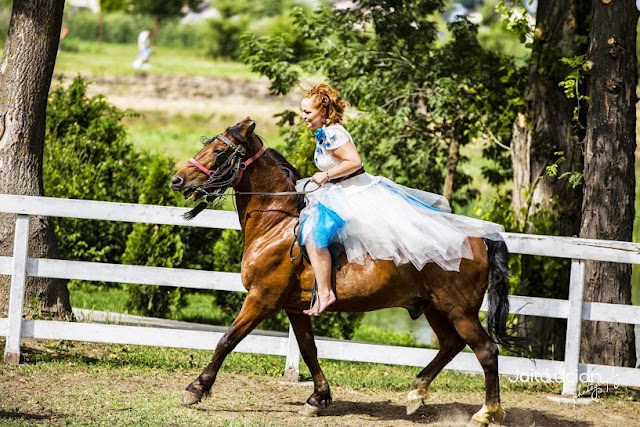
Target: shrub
[[123, 27], [225, 37], [172, 33], [155, 245], [87, 156]]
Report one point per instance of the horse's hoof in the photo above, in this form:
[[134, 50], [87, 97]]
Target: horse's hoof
[[310, 410], [190, 398], [499, 415], [486, 416], [414, 402]]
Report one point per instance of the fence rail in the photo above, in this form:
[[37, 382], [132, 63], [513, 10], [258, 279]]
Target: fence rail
[[569, 371]]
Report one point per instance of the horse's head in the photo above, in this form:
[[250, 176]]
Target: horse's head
[[218, 165]]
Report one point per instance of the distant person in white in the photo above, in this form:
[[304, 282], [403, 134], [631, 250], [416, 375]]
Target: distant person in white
[[144, 51]]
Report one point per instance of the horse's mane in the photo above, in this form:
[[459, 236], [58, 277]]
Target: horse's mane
[[284, 164], [291, 173]]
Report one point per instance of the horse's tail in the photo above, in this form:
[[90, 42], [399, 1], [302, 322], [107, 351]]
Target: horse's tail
[[498, 313]]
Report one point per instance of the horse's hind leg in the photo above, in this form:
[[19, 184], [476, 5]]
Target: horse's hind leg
[[472, 332], [321, 397], [254, 310], [450, 345]]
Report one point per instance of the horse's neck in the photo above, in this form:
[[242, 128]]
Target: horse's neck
[[264, 176]]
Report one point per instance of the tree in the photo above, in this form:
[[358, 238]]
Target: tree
[[25, 76], [549, 125], [609, 181], [550, 122], [159, 9], [151, 7], [420, 99]]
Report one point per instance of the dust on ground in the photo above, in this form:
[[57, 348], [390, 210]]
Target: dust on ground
[[32, 395]]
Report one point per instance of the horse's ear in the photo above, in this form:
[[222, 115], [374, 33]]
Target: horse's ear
[[248, 126]]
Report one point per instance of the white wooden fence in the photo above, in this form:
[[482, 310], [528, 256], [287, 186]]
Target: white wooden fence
[[570, 371]]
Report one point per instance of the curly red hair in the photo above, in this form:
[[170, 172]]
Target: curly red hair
[[328, 100]]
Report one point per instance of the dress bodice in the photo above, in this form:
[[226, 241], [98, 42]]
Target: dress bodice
[[328, 138]]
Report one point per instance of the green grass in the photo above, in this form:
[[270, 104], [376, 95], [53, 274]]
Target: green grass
[[133, 360], [116, 59]]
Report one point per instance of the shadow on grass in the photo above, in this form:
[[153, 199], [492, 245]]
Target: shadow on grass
[[19, 415], [31, 355]]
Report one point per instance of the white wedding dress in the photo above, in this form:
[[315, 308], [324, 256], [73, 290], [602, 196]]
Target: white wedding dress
[[372, 215]]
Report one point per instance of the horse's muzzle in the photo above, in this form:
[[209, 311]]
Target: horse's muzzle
[[176, 183]]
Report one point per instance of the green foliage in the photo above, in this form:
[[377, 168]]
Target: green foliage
[[121, 27], [578, 67], [416, 95], [226, 31], [516, 19], [118, 27], [155, 245], [368, 333], [5, 18], [171, 33], [113, 5], [278, 68], [87, 156], [299, 148], [151, 7]]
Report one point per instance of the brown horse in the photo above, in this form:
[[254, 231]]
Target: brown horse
[[449, 300]]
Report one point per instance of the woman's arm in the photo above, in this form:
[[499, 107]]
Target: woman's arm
[[350, 162]]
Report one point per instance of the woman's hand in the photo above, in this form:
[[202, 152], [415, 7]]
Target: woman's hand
[[320, 178]]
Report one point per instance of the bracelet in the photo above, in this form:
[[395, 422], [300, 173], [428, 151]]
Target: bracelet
[[328, 177]]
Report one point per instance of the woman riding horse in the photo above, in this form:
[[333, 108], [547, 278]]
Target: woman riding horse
[[450, 300]]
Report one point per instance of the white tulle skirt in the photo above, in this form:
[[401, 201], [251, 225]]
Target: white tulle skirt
[[372, 215]]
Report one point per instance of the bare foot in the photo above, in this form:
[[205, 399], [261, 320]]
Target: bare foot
[[322, 302]]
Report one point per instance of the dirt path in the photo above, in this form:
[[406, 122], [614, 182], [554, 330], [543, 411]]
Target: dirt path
[[186, 95], [86, 396]]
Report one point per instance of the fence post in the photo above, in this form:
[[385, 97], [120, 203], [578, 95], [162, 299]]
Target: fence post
[[16, 297], [292, 365], [574, 328]]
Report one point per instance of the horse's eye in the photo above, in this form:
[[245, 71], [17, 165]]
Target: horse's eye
[[218, 151]]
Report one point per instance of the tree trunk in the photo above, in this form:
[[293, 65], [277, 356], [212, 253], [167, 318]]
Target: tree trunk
[[547, 125], [545, 128], [521, 160], [609, 194], [25, 76], [452, 162]]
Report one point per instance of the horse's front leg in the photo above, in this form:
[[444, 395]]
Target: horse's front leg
[[254, 310], [321, 397]]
